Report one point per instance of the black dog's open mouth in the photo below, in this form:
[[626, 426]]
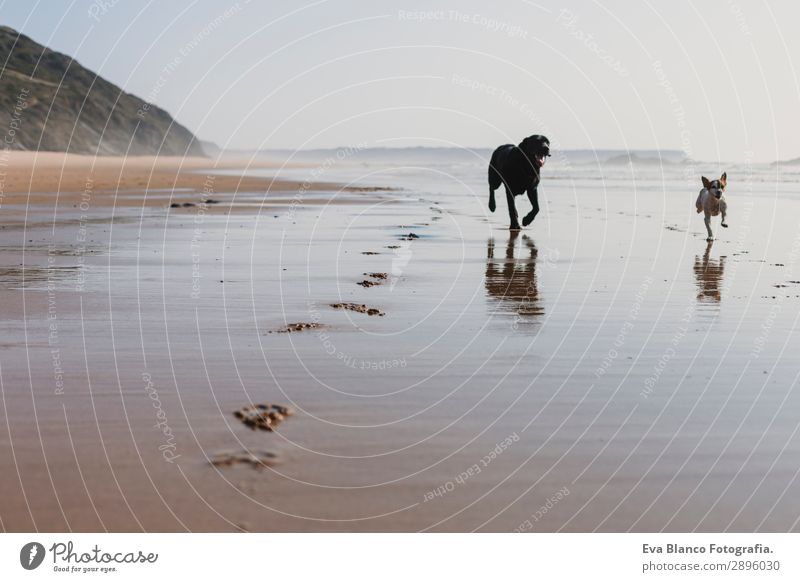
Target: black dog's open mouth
[[540, 160]]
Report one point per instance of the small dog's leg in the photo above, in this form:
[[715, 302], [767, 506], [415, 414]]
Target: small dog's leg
[[492, 204], [722, 208], [533, 196], [512, 211], [707, 220]]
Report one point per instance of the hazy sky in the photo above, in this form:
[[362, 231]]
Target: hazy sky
[[715, 78]]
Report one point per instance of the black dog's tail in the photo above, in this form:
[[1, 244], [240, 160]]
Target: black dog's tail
[[495, 180]]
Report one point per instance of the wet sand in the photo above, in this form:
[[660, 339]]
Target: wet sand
[[603, 370]]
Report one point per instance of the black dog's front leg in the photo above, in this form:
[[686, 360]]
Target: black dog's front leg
[[533, 196], [512, 210]]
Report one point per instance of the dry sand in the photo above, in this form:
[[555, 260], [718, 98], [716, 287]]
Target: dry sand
[[603, 370], [35, 178]]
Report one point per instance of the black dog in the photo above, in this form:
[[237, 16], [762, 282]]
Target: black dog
[[517, 168]]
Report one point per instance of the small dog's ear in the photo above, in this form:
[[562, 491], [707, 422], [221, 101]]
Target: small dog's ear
[[706, 183], [724, 179]]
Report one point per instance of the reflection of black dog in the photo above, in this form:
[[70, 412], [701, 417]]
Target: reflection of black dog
[[512, 280], [517, 168]]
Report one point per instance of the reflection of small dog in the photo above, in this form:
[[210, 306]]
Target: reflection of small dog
[[712, 202], [709, 274]]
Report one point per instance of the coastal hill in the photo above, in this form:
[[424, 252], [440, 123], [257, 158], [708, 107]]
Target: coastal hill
[[49, 102]]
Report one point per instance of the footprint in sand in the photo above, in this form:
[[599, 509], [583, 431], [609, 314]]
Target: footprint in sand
[[253, 459], [377, 279], [299, 326], [263, 416], [358, 308]]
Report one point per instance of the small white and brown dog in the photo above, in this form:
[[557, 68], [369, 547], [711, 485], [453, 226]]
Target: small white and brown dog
[[712, 202]]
